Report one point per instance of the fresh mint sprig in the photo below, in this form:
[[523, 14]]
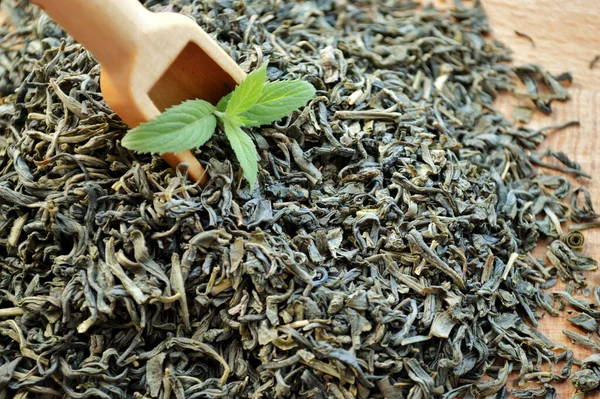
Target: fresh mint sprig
[[254, 102]]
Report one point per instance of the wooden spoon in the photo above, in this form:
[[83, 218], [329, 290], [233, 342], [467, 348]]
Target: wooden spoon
[[149, 61]]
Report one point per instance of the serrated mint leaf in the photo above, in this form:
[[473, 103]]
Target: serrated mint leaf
[[278, 99], [244, 149], [222, 105], [247, 92], [245, 121], [179, 128]]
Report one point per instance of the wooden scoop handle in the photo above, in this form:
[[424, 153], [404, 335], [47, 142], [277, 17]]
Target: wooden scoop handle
[[114, 31]]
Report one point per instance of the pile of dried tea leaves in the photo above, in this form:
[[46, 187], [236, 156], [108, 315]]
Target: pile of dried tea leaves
[[384, 254]]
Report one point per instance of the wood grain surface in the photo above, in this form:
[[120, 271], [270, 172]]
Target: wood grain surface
[[567, 37]]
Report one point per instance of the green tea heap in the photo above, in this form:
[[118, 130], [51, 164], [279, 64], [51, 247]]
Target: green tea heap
[[385, 252]]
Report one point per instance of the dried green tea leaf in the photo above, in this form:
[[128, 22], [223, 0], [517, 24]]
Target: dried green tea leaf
[[442, 325], [522, 114], [584, 321], [155, 374], [585, 380]]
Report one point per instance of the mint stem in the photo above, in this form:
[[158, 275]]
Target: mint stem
[[219, 114]]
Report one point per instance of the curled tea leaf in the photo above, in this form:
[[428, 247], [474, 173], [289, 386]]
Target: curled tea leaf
[[575, 239]]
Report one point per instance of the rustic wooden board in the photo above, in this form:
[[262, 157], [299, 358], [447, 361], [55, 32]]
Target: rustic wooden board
[[567, 37]]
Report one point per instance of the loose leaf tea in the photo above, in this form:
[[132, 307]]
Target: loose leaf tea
[[384, 252]]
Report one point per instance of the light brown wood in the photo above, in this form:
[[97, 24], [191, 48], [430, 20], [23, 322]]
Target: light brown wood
[[567, 37], [150, 61]]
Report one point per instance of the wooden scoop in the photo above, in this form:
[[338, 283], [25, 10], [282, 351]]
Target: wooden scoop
[[149, 61]]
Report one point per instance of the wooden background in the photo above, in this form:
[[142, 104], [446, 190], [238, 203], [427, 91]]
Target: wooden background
[[567, 37]]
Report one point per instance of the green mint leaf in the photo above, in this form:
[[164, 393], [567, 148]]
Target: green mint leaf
[[244, 149], [245, 121], [247, 92], [179, 128], [222, 105], [278, 99]]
